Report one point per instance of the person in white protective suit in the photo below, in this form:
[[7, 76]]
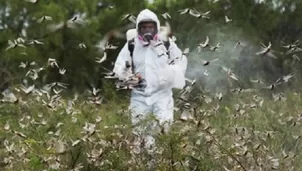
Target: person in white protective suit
[[152, 63]]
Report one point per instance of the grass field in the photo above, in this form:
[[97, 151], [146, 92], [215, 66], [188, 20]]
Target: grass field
[[242, 131]]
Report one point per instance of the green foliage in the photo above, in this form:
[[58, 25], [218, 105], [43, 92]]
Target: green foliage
[[259, 22]]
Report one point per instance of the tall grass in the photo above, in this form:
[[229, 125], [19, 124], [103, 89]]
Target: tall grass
[[243, 131]]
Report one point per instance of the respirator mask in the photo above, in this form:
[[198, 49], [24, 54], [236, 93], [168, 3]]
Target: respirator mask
[[148, 36], [147, 30]]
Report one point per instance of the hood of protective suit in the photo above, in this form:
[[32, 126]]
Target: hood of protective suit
[[147, 15]]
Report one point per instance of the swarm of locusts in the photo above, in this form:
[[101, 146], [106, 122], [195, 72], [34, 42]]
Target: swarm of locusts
[[41, 129]]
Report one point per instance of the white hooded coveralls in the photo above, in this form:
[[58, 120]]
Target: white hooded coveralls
[[153, 64]]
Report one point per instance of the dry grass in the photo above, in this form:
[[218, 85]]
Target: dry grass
[[246, 132]]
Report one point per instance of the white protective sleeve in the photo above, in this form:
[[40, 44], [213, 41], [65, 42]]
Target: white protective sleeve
[[120, 63]]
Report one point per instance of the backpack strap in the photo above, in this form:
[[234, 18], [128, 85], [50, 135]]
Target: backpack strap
[[131, 46], [131, 49], [167, 45]]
